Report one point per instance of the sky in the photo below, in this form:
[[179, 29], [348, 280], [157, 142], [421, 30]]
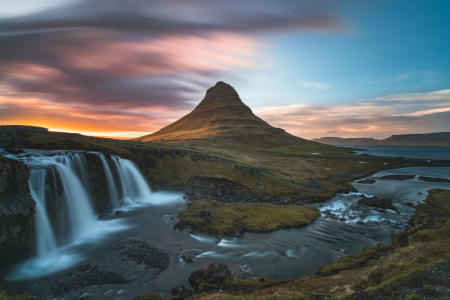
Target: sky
[[314, 68]]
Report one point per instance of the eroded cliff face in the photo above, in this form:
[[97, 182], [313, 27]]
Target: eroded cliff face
[[16, 207]]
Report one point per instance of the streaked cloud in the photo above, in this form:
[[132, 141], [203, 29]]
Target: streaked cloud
[[136, 62], [436, 95], [376, 118], [315, 85]]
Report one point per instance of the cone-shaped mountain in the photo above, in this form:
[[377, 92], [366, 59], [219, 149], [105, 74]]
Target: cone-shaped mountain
[[221, 118]]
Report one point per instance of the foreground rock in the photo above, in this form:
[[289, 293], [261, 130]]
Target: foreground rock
[[16, 207], [133, 261], [233, 219]]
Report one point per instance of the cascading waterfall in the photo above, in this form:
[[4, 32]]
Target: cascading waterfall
[[77, 212], [111, 186], [60, 185], [134, 186], [46, 241]]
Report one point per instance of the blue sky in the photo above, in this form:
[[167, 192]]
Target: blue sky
[[332, 68]]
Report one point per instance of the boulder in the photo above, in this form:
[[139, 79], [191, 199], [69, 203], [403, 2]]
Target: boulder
[[216, 277], [188, 256], [380, 202]]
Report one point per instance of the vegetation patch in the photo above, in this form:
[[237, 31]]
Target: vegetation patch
[[234, 218]]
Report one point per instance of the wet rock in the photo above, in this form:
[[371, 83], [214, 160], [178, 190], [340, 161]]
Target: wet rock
[[409, 204], [151, 296], [11, 150], [105, 217], [180, 292], [143, 253], [85, 275], [16, 207], [214, 278], [188, 256], [378, 202], [119, 212]]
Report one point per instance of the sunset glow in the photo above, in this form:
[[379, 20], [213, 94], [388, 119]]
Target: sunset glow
[[124, 69]]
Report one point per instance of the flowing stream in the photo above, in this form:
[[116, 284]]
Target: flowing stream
[[76, 237]]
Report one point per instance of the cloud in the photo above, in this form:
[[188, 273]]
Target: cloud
[[378, 119], [424, 76], [436, 95], [315, 85], [119, 58]]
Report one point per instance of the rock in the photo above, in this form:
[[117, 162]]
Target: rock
[[16, 207], [188, 256], [105, 217], [151, 296], [259, 185], [119, 212], [409, 204], [11, 150], [214, 278], [379, 202], [178, 289], [238, 225]]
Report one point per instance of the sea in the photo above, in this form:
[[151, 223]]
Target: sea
[[405, 151]]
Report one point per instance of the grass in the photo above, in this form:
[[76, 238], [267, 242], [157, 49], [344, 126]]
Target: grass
[[258, 217], [290, 168]]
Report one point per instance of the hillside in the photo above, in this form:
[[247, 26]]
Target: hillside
[[427, 139], [222, 119]]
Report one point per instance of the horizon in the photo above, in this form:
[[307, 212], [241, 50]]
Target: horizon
[[323, 69]]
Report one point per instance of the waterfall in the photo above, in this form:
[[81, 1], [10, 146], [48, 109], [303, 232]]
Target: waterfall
[[77, 204], [132, 182], [111, 186], [45, 238], [77, 215], [60, 185]]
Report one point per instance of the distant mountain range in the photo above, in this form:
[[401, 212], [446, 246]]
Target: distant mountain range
[[427, 139]]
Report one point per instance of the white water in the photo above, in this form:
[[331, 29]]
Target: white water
[[79, 223], [46, 241], [111, 186], [133, 183]]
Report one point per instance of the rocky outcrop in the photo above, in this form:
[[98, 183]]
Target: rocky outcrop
[[380, 202], [16, 207], [216, 277]]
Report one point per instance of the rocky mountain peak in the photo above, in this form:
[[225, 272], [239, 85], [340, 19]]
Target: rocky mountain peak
[[219, 93]]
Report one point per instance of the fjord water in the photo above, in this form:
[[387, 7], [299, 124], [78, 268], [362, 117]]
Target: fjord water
[[344, 228], [405, 151]]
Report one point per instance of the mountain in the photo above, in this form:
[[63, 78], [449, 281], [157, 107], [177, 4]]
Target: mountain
[[222, 119], [427, 139]]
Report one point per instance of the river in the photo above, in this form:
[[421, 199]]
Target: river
[[344, 228]]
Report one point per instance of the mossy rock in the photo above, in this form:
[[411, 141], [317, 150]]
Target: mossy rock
[[151, 296], [15, 296]]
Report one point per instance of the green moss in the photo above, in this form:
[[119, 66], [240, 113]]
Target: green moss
[[151, 296], [414, 297], [259, 217], [15, 296]]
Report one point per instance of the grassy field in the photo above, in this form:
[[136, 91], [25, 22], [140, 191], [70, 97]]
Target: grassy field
[[228, 219], [292, 173]]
